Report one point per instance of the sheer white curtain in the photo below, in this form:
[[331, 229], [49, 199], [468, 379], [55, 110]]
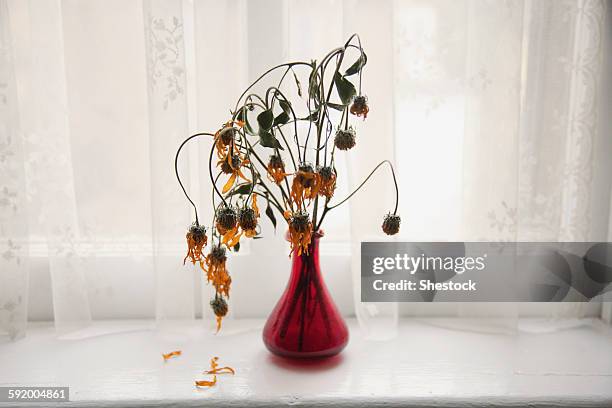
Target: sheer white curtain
[[496, 114]]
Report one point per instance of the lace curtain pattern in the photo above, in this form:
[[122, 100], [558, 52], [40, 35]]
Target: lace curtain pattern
[[495, 112]]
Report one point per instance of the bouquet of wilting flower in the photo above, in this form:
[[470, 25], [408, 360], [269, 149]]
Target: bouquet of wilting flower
[[281, 152]]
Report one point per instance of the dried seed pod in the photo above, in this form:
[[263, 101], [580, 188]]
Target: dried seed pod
[[276, 162], [300, 222], [226, 135], [226, 219], [360, 106], [276, 169], [197, 233], [345, 139], [217, 254], [247, 219], [328, 181], [231, 164], [196, 241], [304, 175], [219, 306], [391, 224]]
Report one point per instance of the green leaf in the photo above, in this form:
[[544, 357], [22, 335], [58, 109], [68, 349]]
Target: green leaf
[[356, 67], [265, 120], [236, 247], [281, 119], [244, 188], [346, 90], [285, 105], [270, 215], [336, 106], [267, 139]]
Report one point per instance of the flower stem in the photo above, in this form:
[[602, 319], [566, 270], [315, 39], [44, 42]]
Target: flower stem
[[176, 172]]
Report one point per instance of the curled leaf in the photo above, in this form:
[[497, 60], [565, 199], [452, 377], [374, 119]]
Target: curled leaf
[[346, 90], [281, 119], [265, 120], [267, 139], [241, 189], [357, 65], [271, 215]]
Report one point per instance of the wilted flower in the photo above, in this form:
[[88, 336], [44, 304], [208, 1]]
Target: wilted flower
[[196, 240], [345, 139], [219, 307], [306, 184], [328, 181], [231, 164], [360, 106], [276, 169], [232, 225], [391, 224], [226, 135], [248, 221], [216, 273], [226, 219], [300, 232]]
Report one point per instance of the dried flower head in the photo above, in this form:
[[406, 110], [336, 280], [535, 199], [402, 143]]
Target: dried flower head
[[227, 135], [306, 184], [196, 240], [217, 254], [345, 139], [230, 164], [219, 307], [328, 181], [276, 169], [300, 232], [226, 219], [360, 106], [391, 224], [248, 221]]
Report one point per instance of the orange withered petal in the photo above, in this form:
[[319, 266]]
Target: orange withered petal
[[255, 208], [171, 354], [206, 383], [219, 320], [222, 370], [230, 183]]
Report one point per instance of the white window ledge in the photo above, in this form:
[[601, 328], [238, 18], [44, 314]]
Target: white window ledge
[[428, 364]]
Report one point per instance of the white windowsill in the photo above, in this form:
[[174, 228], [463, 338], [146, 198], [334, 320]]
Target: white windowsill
[[427, 364]]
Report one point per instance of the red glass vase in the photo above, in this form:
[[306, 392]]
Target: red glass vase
[[305, 322]]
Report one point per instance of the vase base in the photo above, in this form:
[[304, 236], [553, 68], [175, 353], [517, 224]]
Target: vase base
[[299, 355]]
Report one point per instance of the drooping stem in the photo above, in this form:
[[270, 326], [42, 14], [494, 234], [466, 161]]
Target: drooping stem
[[176, 172], [320, 124], [328, 208], [210, 172]]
